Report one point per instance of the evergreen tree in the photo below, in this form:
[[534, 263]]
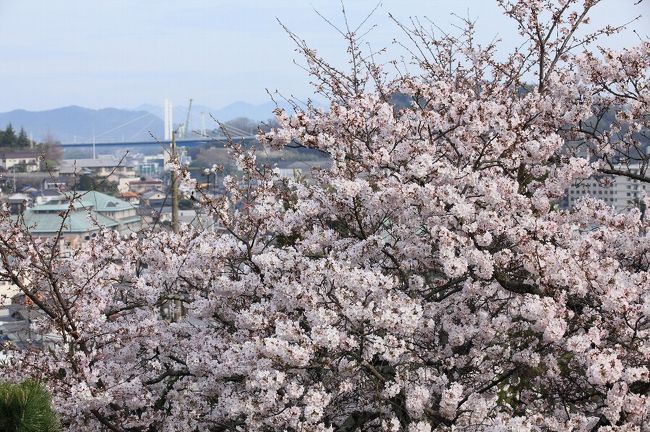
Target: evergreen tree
[[8, 137], [26, 407], [89, 182], [23, 140]]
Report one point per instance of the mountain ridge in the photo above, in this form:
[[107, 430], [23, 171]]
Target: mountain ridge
[[77, 124], [74, 123]]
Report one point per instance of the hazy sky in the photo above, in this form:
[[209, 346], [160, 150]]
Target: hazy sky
[[122, 53]]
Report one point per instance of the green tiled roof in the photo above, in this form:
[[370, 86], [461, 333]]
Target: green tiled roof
[[100, 202], [51, 207], [88, 200], [85, 216], [77, 221]]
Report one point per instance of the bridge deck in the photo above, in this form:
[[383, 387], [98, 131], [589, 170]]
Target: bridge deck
[[190, 142]]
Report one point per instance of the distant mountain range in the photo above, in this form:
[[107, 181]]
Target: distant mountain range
[[77, 124]]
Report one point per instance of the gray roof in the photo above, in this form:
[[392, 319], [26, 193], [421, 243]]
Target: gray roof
[[79, 165], [153, 193], [19, 197], [308, 164], [18, 154]]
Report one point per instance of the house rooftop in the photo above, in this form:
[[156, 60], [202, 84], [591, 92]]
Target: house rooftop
[[85, 215], [51, 208], [153, 194], [49, 193], [99, 201], [70, 166], [75, 222], [89, 200], [18, 154], [150, 181], [18, 197]]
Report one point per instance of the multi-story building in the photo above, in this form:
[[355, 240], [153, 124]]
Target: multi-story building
[[25, 161], [141, 186], [620, 192], [150, 168], [81, 219]]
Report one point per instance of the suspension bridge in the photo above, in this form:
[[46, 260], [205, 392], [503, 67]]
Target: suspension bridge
[[181, 142], [184, 135]]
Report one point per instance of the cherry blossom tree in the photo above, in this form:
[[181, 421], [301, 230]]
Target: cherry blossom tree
[[427, 280]]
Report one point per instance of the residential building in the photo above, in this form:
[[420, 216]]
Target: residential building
[[302, 168], [131, 197], [155, 199], [123, 183], [150, 168], [47, 195], [620, 192], [82, 219], [18, 202], [18, 330], [141, 186], [20, 161], [103, 167]]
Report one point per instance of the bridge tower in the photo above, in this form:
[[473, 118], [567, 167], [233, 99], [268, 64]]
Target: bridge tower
[[168, 119]]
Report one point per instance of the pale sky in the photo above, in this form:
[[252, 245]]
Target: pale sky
[[123, 53]]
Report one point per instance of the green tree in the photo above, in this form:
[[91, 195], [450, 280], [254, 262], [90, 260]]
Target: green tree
[[51, 151], [88, 182], [23, 140], [186, 204], [8, 137], [26, 407]]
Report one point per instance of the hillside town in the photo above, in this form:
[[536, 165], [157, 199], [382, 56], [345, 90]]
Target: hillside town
[[73, 199]]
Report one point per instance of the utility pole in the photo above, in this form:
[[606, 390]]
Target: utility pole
[[174, 186]]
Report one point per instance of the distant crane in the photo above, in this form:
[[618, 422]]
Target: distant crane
[[185, 127]]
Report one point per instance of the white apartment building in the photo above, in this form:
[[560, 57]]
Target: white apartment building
[[26, 161], [620, 192]]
